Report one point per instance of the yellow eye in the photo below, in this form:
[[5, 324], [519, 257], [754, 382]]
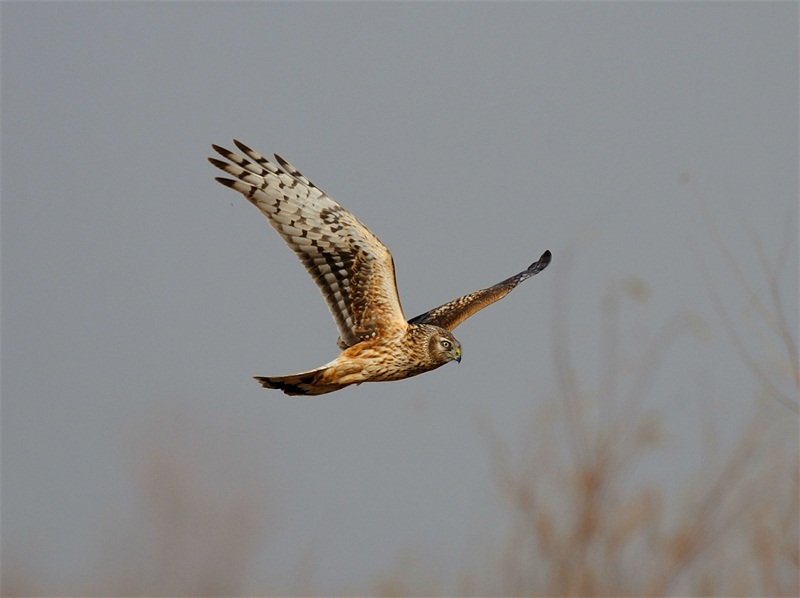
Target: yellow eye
[[446, 344]]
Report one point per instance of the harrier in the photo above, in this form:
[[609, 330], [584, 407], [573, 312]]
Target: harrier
[[355, 273]]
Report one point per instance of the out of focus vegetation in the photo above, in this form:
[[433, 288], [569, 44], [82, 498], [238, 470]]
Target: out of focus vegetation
[[583, 518], [584, 521]]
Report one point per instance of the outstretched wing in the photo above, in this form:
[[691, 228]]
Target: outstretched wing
[[451, 314], [352, 268]]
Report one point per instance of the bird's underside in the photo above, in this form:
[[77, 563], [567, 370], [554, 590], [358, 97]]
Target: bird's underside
[[355, 273]]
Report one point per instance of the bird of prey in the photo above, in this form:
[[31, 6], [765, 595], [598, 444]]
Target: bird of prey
[[355, 273]]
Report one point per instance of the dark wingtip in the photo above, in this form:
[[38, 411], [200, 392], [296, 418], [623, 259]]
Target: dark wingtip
[[227, 182], [217, 162], [219, 149], [541, 263], [242, 146]]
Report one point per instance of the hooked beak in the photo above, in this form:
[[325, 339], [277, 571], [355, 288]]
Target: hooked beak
[[458, 354]]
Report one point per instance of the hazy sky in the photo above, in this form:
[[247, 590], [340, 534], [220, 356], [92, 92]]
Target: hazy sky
[[139, 296]]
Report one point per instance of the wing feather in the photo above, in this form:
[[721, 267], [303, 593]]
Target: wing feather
[[352, 268], [451, 314]]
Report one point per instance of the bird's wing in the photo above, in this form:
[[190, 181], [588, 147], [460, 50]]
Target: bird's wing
[[351, 267], [451, 314]]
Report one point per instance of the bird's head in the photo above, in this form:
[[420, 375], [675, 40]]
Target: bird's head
[[444, 347]]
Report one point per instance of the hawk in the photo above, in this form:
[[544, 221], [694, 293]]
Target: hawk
[[355, 273]]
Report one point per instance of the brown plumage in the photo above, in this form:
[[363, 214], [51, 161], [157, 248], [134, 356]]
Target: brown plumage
[[355, 273]]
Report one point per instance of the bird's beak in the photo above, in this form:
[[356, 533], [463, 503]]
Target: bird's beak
[[458, 354]]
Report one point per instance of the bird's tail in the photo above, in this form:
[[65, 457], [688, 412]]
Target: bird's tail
[[307, 383]]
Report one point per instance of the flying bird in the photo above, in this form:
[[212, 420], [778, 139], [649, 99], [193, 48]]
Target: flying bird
[[355, 273]]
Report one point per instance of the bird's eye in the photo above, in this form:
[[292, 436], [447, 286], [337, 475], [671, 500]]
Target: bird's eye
[[446, 344]]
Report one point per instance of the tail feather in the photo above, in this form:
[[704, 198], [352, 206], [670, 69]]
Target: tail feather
[[307, 383]]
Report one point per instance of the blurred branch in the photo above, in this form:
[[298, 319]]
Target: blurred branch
[[579, 524], [775, 319], [567, 378], [782, 326]]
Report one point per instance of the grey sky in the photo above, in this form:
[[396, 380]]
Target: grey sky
[[139, 296]]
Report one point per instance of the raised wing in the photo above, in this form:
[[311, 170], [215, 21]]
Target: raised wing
[[352, 268], [451, 314]]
